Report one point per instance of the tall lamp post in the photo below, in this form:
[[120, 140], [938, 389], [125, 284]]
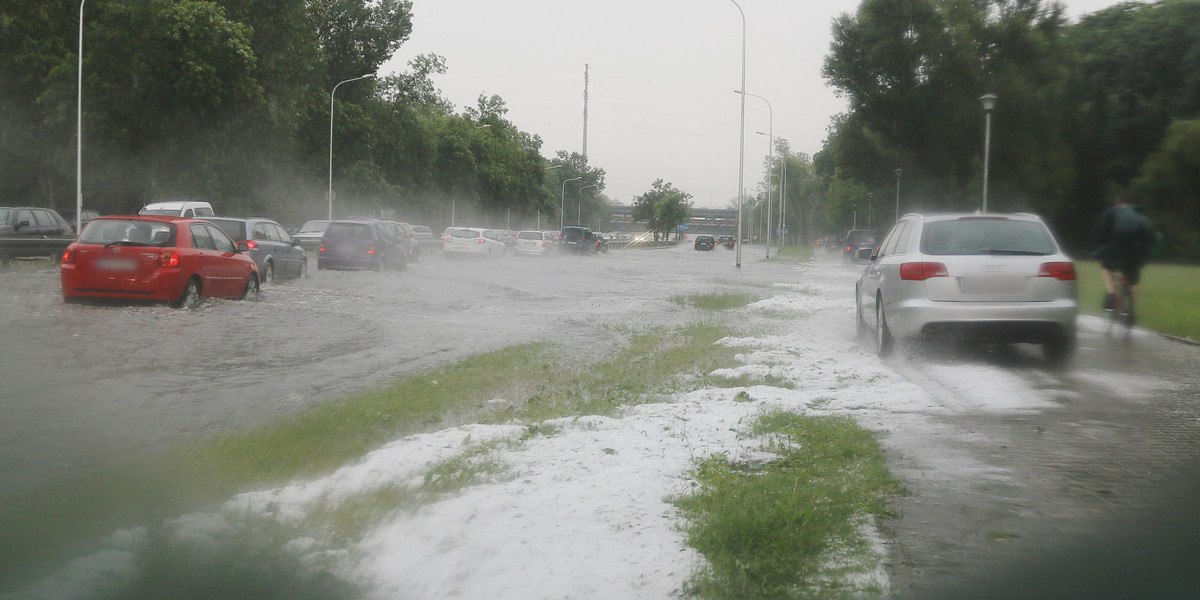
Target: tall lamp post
[[741, 138], [989, 103], [579, 207], [898, 172], [79, 131], [368, 75], [770, 152], [562, 201]]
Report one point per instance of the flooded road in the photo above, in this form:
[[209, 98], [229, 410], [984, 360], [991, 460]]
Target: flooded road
[[81, 384]]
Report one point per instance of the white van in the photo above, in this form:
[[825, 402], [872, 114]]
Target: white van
[[179, 209]]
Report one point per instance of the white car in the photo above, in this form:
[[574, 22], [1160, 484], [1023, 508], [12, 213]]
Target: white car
[[992, 277], [536, 243], [471, 241], [177, 208]]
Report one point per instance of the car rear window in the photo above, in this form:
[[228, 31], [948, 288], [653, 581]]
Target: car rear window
[[314, 226], [977, 236], [142, 233], [529, 235], [234, 229], [349, 231], [573, 235], [464, 233], [857, 238]]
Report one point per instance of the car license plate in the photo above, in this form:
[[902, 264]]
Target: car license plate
[[116, 264], [993, 285]]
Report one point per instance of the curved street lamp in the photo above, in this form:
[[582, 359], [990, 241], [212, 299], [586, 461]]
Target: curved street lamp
[[79, 131], [562, 201], [989, 104], [368, 75], [741, 138], [579, 208]]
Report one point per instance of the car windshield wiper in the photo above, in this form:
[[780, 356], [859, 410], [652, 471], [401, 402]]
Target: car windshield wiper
[[122, 243], [1012, 252]]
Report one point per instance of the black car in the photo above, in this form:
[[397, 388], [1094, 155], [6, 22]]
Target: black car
[[705, 242], [857, 239], [273, 249], [310, 234], [580, 240], [362, 244], [32, 220], [727, 241]]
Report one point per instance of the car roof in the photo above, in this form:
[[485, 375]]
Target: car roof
[[176, 204]]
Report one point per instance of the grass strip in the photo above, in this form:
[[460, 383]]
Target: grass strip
[[768, 530], [42, 528], [714, 302], [1167, 296]]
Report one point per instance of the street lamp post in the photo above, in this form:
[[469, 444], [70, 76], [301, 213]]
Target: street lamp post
[[79, 131], [562, 200], [579, 207], [741, 138], [989, 103], [331, 93], [870, 203], [770, 149], [898, 173]]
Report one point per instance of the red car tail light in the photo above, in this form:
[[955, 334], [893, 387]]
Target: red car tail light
[[250, 245], [920, 271], [1062, 271], [322, 248], [68, 256], [168, 257], [480, 241], [371, 250]]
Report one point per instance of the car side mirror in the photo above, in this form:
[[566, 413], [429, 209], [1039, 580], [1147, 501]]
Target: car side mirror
[[295, 242], [865, 254], [243, 247], [20, 225]]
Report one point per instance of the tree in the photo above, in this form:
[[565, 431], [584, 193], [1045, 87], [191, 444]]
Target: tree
[[663, 208], [1169, 186]]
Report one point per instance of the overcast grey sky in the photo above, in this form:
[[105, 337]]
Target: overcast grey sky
[[662, 79]]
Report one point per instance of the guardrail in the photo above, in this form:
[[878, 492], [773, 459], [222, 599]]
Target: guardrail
[[26, 246]]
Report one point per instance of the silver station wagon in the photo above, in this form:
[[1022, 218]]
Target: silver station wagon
[[996, 278]]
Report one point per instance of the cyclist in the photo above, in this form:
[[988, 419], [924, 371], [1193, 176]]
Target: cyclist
[[1124, 240]]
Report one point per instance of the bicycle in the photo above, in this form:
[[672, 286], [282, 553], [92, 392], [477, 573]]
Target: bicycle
[[1122, 313]]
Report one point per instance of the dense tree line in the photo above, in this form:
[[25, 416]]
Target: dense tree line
[[1085, 110], [230, 101]]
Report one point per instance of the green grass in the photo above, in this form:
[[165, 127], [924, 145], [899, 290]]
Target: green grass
[[792, 254], [773, 530], [715, 302], [39, 528], [1167, 297]]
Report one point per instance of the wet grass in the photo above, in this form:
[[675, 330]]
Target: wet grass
[[787, 527], [42, 528], [715, 302], [1167, 297], [792, 254]]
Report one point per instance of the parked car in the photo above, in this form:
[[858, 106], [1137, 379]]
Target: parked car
[[405, 237], [472, 241], [361, 244], [310, 234], [992, 277], [580, 240], [33, 220], [858, 239], [86, 215], [156, 258], [179, 208], [536, 243], [275, 252], [704, 242]]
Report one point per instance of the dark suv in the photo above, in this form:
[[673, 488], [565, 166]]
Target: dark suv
[[273, 249], [857, 239], [362, 244], [580, 240]]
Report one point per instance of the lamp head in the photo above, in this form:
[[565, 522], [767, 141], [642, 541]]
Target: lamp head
[[988, 101]]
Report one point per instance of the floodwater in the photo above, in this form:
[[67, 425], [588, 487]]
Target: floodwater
[[80, 384]]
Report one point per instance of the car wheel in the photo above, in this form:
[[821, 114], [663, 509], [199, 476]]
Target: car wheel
[[1059, 349], [884, 342], [251, 291], [269, 273], [191, 294]]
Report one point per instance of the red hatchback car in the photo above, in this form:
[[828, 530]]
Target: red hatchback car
[[156, 258]]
